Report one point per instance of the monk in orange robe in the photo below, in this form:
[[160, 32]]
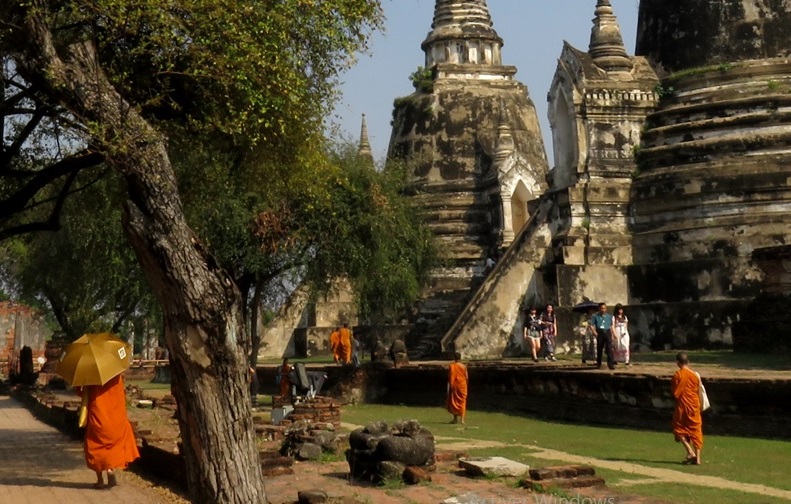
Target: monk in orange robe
[[285, 380], [457, 389], [335, 344], [687, 421], [109, 441], [346, 344]]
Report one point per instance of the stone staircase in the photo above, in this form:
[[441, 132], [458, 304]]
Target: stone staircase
[[459, 219], [483, 328]]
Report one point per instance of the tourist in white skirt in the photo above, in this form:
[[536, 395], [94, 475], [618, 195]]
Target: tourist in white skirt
[[621, 343]]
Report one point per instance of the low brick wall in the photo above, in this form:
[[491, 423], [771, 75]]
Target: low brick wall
[[63, 417], [742, 407]]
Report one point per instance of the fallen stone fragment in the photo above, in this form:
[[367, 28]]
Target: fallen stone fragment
[[309, 451], [493, 466], [312, 497], [468, 498], [415, 475]]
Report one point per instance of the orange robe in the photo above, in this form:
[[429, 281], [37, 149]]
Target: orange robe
[[285, 381], [335, 345], [346, 345], [109, 440], [687, 422], [457, 392]]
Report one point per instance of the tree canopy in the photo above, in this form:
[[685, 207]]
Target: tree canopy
[[121, 76], [249, 74]]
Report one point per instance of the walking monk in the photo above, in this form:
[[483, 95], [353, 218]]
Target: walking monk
[[284, 378], [687, 422], [457, 389], [335, 344], [109, 441], [346, 344]]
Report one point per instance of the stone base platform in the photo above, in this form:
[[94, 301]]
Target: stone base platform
[[745, 402]]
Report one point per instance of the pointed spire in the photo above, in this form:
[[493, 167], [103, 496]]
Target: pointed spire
[[606, 46], [462, 33], [364, 149]]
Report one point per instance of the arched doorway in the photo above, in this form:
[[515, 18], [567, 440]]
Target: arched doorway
[[519, 215], [564, 140]]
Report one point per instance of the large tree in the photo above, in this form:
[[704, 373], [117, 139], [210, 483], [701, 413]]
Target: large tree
[[119, 72]]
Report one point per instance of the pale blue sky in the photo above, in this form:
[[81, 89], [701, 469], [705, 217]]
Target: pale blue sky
[[533, 31]]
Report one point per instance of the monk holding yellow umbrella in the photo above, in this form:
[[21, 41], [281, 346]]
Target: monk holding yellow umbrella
[[93, 365]]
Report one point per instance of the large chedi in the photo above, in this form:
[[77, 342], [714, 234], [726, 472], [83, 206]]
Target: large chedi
[[714, 184], [471, 139]]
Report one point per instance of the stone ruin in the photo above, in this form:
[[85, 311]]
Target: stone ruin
[[305, 440], [670, 178], [404, 452], [319, 410]]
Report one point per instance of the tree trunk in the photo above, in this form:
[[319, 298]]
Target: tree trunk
[[255, 336], [202, 309]]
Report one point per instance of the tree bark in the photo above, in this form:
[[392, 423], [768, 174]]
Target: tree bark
[[202, 308], [255, 336]]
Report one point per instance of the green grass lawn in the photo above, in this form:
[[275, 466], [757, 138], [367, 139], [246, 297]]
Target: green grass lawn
[[737, 459], [726, 358]]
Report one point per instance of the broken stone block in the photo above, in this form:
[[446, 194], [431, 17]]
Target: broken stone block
[[378, 427], [449, 456], [564, 483], [416, 451], [493, 466], [389, 470], [312, 497], [361, 440], [570, 471], [468, 498], [309, 451], [415, 475]]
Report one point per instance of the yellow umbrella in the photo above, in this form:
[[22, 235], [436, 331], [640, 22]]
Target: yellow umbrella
[[94, 359]]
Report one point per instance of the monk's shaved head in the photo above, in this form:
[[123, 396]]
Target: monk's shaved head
[[682, 358]]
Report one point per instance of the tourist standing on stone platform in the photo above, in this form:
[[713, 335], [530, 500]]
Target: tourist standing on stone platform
[[335, 344], [605, 334], [109, 440], [687, 420], [346, 344], [549, 327], [621, 347], [457, 389], [532, 336]]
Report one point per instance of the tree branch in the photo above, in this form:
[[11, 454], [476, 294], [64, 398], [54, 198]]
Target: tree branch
[[18, 201]]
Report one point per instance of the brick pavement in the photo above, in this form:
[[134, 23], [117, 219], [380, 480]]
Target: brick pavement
[[40, 465]]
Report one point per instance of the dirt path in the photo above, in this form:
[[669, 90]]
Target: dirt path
[[38, 464]]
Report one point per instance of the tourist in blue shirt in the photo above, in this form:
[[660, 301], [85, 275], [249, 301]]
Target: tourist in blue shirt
[[602, 323]]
